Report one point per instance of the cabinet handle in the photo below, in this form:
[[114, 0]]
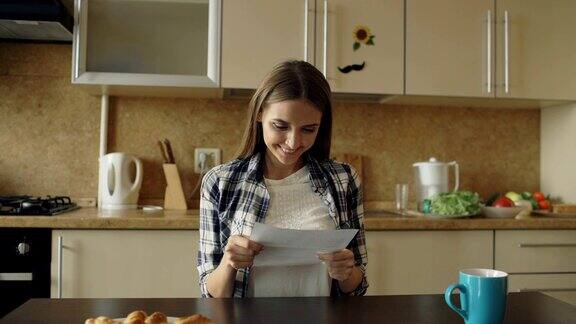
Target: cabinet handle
[[16, 276], [506, 53], [531, 245], [546, 289], [306, 30], [77, 47], [59, 267], [489, 51], [325, 52]]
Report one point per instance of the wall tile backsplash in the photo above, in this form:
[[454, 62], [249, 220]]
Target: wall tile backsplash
[[49, 134]]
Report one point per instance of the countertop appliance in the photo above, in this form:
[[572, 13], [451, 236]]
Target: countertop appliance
[[45, 20], [25, 255], [32, 206], [431, 178], [121, 179]]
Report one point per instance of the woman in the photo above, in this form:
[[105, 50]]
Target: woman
[[282, 177]]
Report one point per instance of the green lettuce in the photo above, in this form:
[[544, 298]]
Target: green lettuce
[[456, 203]]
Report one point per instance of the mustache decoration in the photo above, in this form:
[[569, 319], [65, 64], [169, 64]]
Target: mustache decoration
[[353, 67]]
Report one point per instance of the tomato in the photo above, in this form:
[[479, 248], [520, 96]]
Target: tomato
[[544, 204], [503, 202], [538, 196]]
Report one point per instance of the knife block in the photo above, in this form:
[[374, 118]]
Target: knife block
[[174, 195]]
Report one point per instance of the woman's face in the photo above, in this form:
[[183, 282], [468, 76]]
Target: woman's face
[[290, 128]]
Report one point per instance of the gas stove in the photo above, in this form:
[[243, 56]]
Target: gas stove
[[31, 206]]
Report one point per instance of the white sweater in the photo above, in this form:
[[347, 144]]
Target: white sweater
[[293, 205]]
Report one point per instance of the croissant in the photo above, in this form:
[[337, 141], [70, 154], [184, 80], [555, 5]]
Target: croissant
[[156, 318], [100, 320], [136, 317]]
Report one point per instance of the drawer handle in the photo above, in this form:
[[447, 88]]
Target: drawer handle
[[16, 276], [546, 289], [527, 245]]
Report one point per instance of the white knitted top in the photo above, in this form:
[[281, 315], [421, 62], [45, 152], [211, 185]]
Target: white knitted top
[[293, 205]]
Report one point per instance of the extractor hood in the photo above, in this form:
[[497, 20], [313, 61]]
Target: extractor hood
[[46, 20]]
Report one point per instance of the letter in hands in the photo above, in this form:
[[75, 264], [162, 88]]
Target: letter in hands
[[239, 252], [340, 263]]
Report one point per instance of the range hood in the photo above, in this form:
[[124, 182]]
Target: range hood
[[46, 20]]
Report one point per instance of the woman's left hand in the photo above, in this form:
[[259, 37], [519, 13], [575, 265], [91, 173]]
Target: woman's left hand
[[340, 263]]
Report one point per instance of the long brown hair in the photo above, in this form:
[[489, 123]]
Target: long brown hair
[[290, 80]]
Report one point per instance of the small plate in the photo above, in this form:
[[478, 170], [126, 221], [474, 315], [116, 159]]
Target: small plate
[[171, 320], [436, 216]]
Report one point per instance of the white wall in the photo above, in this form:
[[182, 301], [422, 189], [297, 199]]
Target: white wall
[[558, 152]]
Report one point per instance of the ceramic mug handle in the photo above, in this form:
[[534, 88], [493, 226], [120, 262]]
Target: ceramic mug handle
[[448, 293]]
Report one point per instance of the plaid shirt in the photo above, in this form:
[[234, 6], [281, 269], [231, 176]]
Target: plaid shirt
[[234, 197]]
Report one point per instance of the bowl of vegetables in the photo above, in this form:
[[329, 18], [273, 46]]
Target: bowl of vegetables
[[504, 207]]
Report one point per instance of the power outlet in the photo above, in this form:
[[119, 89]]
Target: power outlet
[[210, 157]]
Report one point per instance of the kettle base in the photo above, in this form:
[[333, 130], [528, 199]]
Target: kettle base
[[118, 207]]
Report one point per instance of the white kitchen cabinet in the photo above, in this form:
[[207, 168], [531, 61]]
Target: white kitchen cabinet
[[423, 262], [541, 260], [541, 49], [281, 30], [258, 34], [559, 286], [164, 43], [447, 47], [524, 49], [125, 263]]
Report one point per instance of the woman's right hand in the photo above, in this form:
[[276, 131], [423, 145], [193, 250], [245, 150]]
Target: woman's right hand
[[239, 252]]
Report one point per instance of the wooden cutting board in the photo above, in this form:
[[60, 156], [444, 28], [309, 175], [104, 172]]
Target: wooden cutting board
[[355, 160]]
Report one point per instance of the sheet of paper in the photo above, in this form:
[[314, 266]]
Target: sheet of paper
[[296, 247]]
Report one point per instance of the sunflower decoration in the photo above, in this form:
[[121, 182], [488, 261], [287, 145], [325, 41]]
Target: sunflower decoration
[[362, 35]]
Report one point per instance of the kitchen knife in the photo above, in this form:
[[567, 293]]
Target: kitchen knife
[[169, 151], [163, 151]]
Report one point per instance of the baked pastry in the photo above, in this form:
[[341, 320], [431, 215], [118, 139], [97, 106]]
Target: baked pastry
[[100, 320], [137, 314], [194, 319], [134, 320], [156, 318], [136, 317]]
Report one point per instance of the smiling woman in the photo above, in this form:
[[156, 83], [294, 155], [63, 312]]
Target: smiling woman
[[282, 177], [289, 129]]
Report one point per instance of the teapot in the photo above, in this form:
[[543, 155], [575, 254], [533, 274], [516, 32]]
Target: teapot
[[431, 178]]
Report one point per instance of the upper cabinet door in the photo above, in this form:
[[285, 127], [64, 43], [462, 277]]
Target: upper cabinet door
[[147, 43], [449, 47], [258, 34], [536, 49], [360, 45]]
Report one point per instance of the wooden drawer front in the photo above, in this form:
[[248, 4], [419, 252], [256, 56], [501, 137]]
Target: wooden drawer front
[[561, 286], [535, 251]]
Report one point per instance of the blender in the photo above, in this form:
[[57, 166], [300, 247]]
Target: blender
[[431, 178]]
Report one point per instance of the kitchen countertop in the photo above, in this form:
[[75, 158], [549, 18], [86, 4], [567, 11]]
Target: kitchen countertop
[[92, 218]]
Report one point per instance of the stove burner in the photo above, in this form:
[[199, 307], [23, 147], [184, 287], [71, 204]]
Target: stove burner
[[28, 205]]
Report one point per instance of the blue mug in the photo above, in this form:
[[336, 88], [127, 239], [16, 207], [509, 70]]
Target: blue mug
[[483, 295]]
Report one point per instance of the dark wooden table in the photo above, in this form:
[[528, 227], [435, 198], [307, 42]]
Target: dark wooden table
[[529, 307]]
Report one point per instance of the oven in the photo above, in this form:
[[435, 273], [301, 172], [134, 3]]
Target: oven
[[25, 255]]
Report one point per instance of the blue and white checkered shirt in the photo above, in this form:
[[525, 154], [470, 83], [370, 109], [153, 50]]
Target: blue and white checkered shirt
[[233, 197]]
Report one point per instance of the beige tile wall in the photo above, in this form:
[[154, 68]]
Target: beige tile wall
[[49, 132]]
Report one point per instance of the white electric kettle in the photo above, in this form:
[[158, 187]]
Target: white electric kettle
[[431, 178], [119, 189]]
